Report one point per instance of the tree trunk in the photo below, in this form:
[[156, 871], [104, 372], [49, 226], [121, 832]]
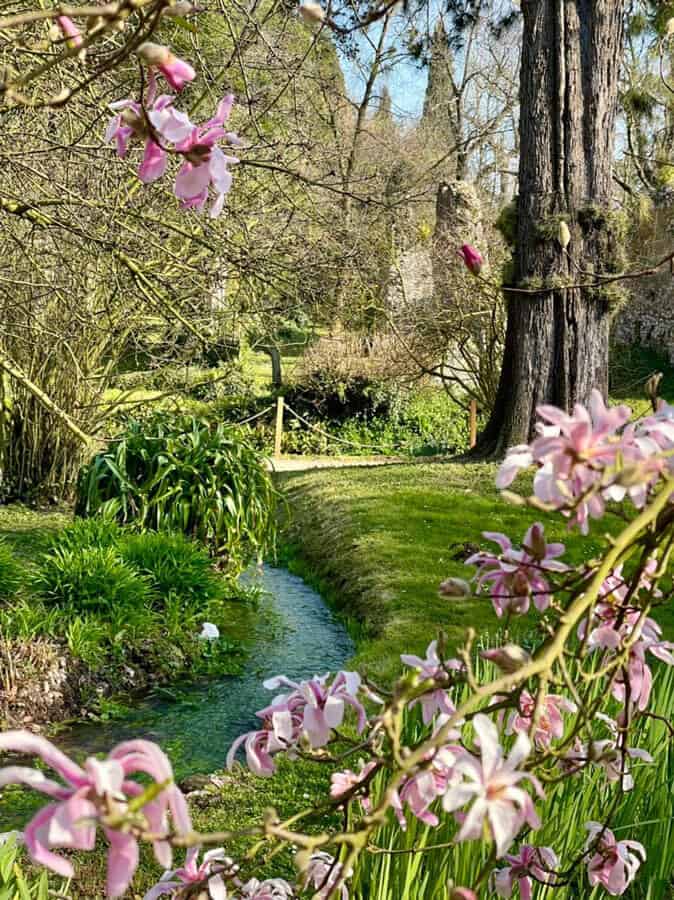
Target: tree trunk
[[556, 346]]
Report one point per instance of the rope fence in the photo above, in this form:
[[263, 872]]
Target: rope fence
[[282, 407]]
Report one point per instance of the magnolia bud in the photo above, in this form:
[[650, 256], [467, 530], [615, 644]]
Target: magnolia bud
[[455, 587], [154, 54], [462, 893], [669, 27], [509, 658], [312, 12], [564, 235]]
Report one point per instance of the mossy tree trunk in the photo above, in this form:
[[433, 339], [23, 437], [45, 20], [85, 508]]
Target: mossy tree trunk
[[556, 347]]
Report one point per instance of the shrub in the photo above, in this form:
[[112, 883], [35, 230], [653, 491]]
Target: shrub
[[185, 474], [173, 564], [12, 574], [91, 578]]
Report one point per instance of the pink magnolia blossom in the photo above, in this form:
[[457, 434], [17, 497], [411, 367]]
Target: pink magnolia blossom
[[613, 625], [70, 31], [530, 863], [209, 873], [471, 258], [176, 71], [205, 163], [422, 789], [323, 873], [550, 725], [491, 784], [462, 893], [130, 124], [573, 452], [97, 793], [270, 889], [313, 709], [435, 701], [515, 577], [612, 754], [346, 782], [614, 864]]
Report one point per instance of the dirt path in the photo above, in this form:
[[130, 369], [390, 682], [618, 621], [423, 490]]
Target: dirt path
[[305, 463]]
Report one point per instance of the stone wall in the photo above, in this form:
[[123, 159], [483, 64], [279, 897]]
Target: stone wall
[[647, 319]]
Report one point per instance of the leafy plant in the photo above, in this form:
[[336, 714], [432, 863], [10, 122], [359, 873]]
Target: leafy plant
[[173, 564], [92, 578], [12, 574], [185, 474], [14, 883]]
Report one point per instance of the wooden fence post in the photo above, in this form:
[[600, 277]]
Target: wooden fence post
[[473, 423], [278, 435]]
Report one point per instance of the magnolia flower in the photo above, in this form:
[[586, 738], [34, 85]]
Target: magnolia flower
[[271, 889], [346, 782], [281, 732], [471, 258], [324, 704], [573, 453], [131, 123], [176, 71], [313, 709], [323, 873], [209, 873], [531, 862], [205, 163], [550, 723], [614, 864], [515, 577], [423, 788], [432, 667], [97, 793], [462, 893], [499, 806]]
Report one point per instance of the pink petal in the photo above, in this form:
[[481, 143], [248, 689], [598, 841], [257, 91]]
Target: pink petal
[[122, 861]]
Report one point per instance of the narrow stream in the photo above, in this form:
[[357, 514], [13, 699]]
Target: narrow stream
[[298, 636]]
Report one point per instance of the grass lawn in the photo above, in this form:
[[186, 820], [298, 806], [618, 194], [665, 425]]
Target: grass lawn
[[378, 542]]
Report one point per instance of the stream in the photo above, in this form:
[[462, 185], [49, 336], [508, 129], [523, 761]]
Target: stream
[[297, 635]]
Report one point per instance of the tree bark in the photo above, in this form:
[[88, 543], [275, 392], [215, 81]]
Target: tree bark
[[556, 346]]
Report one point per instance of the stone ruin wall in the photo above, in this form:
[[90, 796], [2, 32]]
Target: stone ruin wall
[[647, 319]]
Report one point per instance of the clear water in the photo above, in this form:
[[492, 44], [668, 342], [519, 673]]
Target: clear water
[[295, 635]]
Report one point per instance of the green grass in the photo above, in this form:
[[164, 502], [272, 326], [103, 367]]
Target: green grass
[[379, 541]]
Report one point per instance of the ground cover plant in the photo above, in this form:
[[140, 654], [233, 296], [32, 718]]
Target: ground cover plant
[[491, 748], [120, 609]]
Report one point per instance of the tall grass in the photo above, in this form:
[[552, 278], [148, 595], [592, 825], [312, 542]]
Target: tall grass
[[644, 814]]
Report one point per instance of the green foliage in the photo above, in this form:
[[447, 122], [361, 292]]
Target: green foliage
[[12, 574], [643, 814], [172, 564], [15, 884], [92, 578], [185, 474]]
